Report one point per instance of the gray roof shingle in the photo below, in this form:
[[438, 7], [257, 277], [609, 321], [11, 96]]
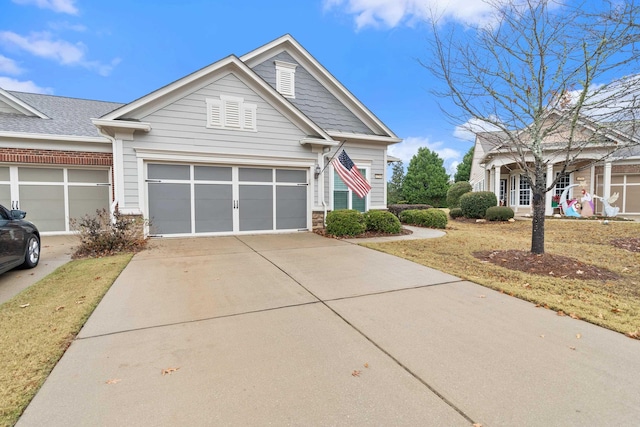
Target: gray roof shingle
[[67, 116]]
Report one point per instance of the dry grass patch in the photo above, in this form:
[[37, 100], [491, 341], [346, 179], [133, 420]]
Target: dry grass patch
[[613, 303], [40, 323]]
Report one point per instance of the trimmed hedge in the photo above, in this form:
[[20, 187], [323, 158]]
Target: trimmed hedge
[[399, 208], [456, 191], [475, 204], [455, 213], [432, 218], [382, 221], [345, 222], [499, 213]]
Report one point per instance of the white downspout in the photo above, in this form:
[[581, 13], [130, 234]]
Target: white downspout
[[114, 149], [323, 157]]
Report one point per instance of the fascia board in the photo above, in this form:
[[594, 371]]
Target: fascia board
[[20, 105], [121, 124], [388, 140], [321, 74], [50, 137]]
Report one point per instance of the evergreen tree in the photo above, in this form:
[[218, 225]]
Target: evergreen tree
[[394, 187], [463, 171], [427, 180]]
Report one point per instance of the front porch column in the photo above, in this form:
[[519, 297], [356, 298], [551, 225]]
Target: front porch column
[[548, 209], [606, 181], [495, 182]]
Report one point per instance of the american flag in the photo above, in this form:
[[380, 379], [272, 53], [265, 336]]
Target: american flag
[[351, 175]]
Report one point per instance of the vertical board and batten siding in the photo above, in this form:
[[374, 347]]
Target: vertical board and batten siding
[[313, 99], [181, 126]]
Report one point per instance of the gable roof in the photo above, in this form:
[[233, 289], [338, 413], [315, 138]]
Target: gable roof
[[289, 45], [19, 106], [56, 115], [231, 64]]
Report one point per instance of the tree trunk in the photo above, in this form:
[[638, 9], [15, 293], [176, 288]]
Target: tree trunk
[[537, 228]]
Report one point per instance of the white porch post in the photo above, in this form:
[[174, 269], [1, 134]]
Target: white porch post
[[495, 181], [606, 181], [548, 210]]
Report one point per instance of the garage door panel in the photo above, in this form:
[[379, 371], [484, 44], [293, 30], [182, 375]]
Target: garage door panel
[[87, 200], [214, 208], [256, 207], [157, 171], [170, 208], [44, 205], [213, 173], [291, 207]]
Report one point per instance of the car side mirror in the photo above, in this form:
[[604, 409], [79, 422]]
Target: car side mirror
[[18, 214]]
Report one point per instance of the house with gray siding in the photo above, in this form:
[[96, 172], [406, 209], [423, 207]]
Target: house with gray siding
[[240, 146]]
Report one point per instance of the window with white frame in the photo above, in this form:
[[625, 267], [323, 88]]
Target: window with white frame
[[525, 191], [563, 182], [344, 198], [231, 112], [286, 79]]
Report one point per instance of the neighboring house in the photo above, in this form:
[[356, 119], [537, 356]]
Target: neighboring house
[[240, 146], [494, 168]]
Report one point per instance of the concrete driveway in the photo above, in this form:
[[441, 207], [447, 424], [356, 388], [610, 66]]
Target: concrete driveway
[[297, 329]]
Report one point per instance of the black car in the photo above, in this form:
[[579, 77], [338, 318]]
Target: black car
[[19, 241]]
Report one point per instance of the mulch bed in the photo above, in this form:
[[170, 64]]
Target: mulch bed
[[545, 265], [631, 244]]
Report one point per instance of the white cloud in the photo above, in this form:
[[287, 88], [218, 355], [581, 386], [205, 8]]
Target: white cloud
[[468, 130], [391, 13], [64, 26], [44, 45], [9, 66], [61, 6], [8, 83], [409, 147]]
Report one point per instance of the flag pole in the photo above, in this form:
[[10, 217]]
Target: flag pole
[[334, 154]]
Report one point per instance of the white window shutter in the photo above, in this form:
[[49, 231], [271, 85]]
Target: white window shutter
[[214, 113], [250, 111], [232, 114]]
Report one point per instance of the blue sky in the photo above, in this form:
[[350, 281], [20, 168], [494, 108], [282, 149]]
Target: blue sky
[[121, 50]]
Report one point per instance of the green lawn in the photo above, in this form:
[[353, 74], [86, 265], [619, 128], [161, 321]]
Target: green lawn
[[40, 323]]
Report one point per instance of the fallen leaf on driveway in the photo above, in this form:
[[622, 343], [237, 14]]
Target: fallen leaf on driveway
[[366, 365], [561, 313], [113, 381], [169, 371], [25, 305], [574, 316], [578, 336], [572, 348], [355, 373]]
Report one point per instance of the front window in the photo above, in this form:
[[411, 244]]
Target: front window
[[525, 191], [343, 198], [563, 182]]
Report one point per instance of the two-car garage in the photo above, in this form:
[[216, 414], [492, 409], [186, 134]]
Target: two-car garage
[[190, 199]]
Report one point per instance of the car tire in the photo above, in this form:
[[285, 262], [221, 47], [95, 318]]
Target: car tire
[[32, 255]]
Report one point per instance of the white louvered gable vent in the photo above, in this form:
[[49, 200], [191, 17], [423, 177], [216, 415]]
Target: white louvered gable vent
[[231, 112], [285, 79]]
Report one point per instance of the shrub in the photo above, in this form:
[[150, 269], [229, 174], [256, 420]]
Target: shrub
[[455, 213], [433, 218], [399, 208], [499, 213], [382, 221], [345, 222], [455, 192], [475, 204], [100, 235]]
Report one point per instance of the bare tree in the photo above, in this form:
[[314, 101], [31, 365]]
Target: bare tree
[[548, 80]]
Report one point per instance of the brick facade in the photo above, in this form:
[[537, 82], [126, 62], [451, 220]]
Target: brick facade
[[55, 157], [317, 220]]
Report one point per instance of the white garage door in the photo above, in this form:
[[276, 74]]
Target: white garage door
[[53, 196], [197, 199]]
